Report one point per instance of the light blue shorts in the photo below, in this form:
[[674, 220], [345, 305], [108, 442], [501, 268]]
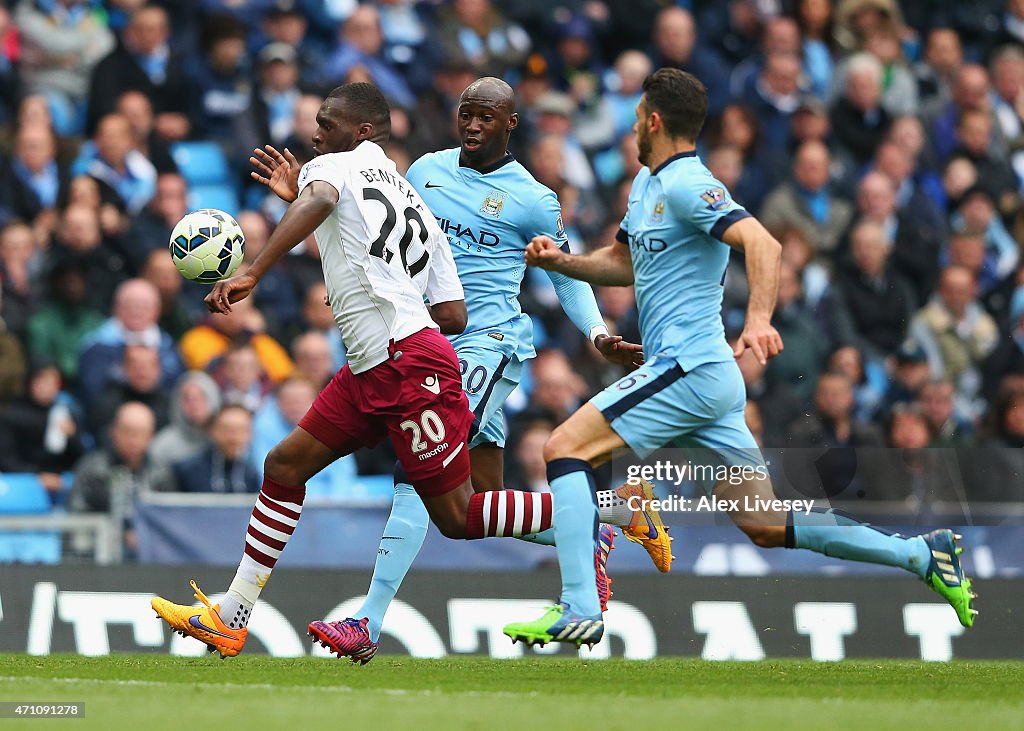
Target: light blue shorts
[[661, 405], [490, 372]]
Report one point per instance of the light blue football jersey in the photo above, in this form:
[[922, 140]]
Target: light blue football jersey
[[489, 217], [673, 226]]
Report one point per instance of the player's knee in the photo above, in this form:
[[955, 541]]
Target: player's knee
[[765, 536], [282, 466]]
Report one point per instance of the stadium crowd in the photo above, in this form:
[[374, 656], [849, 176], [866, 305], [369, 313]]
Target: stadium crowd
[[882, 142]]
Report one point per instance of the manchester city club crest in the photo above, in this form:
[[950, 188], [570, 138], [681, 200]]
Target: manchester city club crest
[[493, 203], [715, 198], [659, 209]]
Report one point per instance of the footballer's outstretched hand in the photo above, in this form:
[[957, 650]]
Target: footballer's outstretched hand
[[278, 171], [761, 338], [616, 350], [544, 253], [229, 290]]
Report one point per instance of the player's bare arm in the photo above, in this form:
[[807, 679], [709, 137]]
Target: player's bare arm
[[608, 266], [300, 220], [763, 255], [277, 170], [451, 316]]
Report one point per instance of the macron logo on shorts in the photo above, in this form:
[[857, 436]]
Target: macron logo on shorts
[[432, 384]]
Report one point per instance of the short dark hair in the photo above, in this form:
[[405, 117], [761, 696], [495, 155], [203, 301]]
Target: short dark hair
[[368, 103], [681, 100]]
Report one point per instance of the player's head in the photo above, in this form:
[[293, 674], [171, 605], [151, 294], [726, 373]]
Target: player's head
[[673, 108], [486, 118], [350, 114]]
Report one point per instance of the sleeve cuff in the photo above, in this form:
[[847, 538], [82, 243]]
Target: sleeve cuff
[[622, 237], [564, 246], [723, 223]]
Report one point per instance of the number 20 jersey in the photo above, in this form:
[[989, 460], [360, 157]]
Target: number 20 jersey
[[382, 252]]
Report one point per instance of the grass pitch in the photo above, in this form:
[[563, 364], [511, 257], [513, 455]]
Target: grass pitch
[[160, 692]]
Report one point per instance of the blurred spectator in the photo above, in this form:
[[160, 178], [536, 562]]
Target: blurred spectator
[[313, 359], [809, 202], [151, 227], [276, 295], [242, 379], [110, 479], [868, 379], [832, 423], [318, 317], [79, 242], [799, 363], [945, 429], [270, 115], [815, 19], [477, 32], [1007, 67], [974, 137], [140, 381], [32, 179], [899, 87], [221, 78], [898, 164], [1002, 456], [915, 243], [631, 68], [223, 465], [936, 71], [19, 275], [798, 253], [57, 330], [195, 400], [557, 389], [38, 432], [300, 143], [242, 326], [530, 470], [278, 416], [971, 91], [957, 334], [361, 44], [733, 26], [976, 215], [134, 322], [159, 270], [576, 70], [284, 22], [63, 41], [554, 112], [779, 34], [859, 120], [435, 108], [10, 78], [857, 19], [871, 304], [144, 62], [909, 374], [779, 405], [776, 96], [115, 160], [1008, 356], [137, 108]]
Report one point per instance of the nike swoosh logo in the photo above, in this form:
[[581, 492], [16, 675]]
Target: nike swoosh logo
[[432, 185], [194, 621], [652, 530]]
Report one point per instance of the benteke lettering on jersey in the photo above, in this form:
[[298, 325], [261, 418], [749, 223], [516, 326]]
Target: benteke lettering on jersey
[[382, 253]]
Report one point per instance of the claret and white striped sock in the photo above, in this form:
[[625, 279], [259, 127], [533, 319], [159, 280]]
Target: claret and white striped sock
[[508, 513], [272, 523]]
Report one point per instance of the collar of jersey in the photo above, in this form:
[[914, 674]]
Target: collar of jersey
[[677, 156], [499, 163]]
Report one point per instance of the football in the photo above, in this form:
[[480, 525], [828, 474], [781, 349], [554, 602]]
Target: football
[[207, 245]]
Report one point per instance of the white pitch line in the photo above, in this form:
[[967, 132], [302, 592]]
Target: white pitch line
[[265, 686]]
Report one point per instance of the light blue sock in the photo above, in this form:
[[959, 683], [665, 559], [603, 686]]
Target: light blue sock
[[575, 512], [840, 536], [544, 538], [403, 536]]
